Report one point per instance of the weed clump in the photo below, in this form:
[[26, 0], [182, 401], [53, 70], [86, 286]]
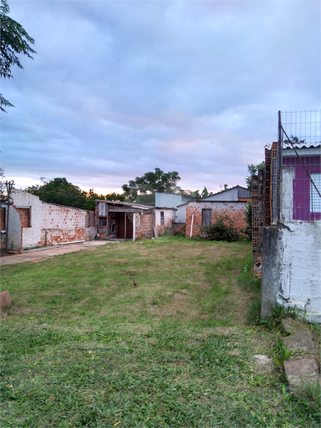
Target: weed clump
[[223, 229], [254, 312]]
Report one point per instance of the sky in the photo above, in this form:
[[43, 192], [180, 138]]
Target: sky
[[119, 88]]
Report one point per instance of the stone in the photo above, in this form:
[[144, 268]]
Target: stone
[[300, 342], [263, 364], [5, 299], [291, 326], [299, 372]]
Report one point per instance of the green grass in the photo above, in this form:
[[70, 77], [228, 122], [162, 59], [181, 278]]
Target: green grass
[[83, 347]]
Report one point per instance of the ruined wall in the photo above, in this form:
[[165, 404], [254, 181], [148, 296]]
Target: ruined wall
[[65, 224], [144, 226], [34, 223], [234, 210]]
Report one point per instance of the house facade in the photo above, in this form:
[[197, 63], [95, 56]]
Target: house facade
[[231, 202], [173, 200]]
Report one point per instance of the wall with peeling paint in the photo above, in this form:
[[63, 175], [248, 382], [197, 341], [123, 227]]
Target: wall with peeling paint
[[291, 260]]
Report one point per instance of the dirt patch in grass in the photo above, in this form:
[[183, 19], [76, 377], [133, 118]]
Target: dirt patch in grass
[[20, 310]]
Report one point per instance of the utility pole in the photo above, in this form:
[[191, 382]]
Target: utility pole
[[9, 186]]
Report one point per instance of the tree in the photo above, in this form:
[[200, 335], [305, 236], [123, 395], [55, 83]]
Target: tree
[[253, 170], [149, 183], [294, 140], [60, 191], [14, 41], [197, 193], [2, 183]]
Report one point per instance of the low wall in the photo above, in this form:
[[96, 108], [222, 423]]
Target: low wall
[[291, 266]]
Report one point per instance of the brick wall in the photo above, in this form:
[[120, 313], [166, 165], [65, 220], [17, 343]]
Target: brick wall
[[60, 236], [24, 217], [65, 224], [145, 226], [2, 218], [235, 210]]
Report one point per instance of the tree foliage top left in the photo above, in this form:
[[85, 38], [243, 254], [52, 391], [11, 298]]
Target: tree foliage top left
[[14, 41]]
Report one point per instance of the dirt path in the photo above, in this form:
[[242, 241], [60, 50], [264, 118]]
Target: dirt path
[[40, 254]]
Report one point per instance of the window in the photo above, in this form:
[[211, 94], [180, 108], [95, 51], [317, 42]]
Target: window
[[162, 218], [25, 216], [101, 208], [315, 200], [206, 217], [102, 221]]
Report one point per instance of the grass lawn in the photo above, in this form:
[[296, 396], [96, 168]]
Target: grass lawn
[[82, 346]]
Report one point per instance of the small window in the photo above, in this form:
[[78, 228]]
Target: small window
[[315, 200], [25, 217], [103, 221], [101, 208], [162, 218], [206, 217]]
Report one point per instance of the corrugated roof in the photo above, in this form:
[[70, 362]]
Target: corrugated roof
[[304, 145]]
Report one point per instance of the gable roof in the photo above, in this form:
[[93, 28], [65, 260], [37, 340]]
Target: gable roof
[[241, 192]]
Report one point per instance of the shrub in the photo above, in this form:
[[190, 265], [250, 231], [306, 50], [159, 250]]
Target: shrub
[[248, 218], [223, 229]]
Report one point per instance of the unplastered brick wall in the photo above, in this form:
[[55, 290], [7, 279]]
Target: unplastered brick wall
[[235, 210], [145, 226], [65, 224], [24, 216]]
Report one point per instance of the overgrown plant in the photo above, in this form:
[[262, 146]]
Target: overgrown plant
[[278, 312], [248, 219], [282, 353], [223, 229]]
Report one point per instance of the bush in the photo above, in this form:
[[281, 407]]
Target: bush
[[248, 217], [223, 229]]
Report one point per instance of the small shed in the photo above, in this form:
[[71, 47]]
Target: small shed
[[231, 202], [123, 220]]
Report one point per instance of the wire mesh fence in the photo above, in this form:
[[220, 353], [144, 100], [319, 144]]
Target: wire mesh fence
[[300, 153]]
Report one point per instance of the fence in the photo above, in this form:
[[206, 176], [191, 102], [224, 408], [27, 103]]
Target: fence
[[299, 149]]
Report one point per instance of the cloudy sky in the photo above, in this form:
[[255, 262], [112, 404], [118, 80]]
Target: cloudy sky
[[118, 88]]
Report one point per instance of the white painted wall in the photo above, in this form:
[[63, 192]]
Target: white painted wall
[[169, 216], [291, 260], [30, 235], [300, 268]]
